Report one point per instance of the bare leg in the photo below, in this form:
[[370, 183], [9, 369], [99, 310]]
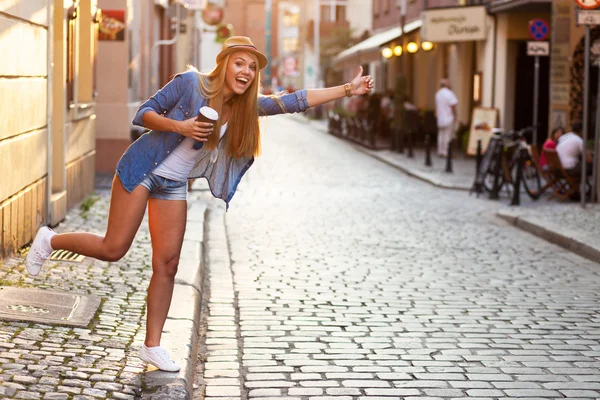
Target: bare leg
[[167, 220], [124, 219]]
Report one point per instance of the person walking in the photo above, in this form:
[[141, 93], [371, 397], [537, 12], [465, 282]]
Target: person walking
[[445, 111], [154, 170]]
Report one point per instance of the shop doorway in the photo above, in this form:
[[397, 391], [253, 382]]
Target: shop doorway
[[577, 78], [524, 85]]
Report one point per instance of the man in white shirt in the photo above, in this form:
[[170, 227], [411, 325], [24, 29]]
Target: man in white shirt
[[445, 111], [570, 148]]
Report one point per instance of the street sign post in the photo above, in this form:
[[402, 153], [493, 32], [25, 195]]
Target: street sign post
[[539, 31]]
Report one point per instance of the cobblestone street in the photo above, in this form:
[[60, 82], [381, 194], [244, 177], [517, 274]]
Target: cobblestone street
[[349, 280], [51, 362]]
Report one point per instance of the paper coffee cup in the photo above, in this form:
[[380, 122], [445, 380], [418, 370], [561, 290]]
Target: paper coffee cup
[[206, 114]]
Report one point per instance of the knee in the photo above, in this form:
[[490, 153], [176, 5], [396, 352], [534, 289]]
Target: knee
[[115, 253], [166, 267]]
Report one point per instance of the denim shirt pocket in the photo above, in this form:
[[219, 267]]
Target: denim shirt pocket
[[185, 109]]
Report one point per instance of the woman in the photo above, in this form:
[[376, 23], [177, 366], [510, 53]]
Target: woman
[[155, 168], [550, 143]]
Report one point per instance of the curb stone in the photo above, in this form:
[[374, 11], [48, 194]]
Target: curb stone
[[181, 331], [409, 172], [389, 161], [553, 234]]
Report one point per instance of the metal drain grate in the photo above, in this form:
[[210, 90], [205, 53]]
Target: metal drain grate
[[27, 309], [65, 255]]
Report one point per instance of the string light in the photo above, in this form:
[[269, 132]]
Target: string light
[[412, 47]]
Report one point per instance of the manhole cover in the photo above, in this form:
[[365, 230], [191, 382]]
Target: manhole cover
[[47, 307]]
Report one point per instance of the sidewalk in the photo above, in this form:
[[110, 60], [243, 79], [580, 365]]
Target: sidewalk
[[566, 224], [44, 361]]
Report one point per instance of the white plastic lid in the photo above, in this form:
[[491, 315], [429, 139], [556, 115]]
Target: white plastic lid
[[209, 113]]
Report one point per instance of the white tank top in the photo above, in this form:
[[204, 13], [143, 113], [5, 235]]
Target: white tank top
[[178, 165]]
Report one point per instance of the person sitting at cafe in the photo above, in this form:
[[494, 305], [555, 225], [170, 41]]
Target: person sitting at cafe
[[570, 148], [550, 144]]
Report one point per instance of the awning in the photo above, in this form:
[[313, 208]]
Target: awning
[[377, 40], [499, 6]]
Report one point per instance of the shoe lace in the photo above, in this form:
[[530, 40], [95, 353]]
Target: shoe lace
[[164, 356], [39, 256]]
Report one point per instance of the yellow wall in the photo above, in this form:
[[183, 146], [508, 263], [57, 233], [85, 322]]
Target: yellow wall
[[23, 126], [31, 113]]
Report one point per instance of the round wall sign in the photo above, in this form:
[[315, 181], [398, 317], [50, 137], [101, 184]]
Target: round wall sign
[[212, 15], [588, 4], [538, 29]]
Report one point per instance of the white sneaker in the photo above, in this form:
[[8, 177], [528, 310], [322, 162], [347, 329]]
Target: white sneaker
[[40, 250], [159, 357]]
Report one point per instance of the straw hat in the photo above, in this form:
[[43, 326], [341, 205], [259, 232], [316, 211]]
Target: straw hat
[[242, 43]]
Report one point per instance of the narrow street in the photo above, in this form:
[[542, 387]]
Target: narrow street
[[349, 280]]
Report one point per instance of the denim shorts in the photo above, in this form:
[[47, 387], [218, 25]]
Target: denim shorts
[[165, 189]]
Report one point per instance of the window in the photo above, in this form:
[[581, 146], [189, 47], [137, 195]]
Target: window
[[376, 7], [72, 14], [339, 13], [386, 6]]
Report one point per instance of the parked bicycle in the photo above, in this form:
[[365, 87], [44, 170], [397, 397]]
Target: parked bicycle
[[509, 145]]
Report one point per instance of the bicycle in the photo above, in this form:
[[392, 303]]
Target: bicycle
[[510, 145]]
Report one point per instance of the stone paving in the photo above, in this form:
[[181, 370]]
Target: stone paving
[[49, 362], [567, 224], [337, 277]]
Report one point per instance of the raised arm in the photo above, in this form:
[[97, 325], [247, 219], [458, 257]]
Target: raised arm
[[360, 85]]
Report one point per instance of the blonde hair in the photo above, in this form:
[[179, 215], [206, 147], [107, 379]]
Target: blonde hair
[[243, 130]]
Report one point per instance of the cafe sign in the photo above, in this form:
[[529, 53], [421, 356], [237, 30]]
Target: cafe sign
[[456, 24]]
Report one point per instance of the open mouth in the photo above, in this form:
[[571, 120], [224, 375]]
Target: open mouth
[[242, 81]]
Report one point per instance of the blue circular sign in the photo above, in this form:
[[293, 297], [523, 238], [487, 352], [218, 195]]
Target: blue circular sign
[[539, 29]]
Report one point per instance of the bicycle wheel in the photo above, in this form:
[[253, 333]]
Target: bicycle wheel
[[531, 178], [488, 178]]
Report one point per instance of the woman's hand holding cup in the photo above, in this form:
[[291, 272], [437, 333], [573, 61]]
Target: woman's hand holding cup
[[204, 125]]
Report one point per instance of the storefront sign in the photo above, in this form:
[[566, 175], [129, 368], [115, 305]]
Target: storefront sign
[[112, 25], [454, 24]]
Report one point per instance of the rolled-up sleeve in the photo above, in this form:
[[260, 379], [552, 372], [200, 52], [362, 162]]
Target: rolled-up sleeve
[[166, 98], [287, 103]]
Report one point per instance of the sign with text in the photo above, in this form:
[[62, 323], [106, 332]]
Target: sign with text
[[588, 17], [538, 48], [456, 24]]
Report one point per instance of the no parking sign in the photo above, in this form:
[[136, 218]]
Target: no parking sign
[[539, 29]]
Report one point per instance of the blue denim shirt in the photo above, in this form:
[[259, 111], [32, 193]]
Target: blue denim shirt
[[180, 99]]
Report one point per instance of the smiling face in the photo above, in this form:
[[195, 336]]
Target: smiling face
[[241, 72]]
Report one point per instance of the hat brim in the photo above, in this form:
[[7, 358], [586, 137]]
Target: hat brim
[[262, 60]]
